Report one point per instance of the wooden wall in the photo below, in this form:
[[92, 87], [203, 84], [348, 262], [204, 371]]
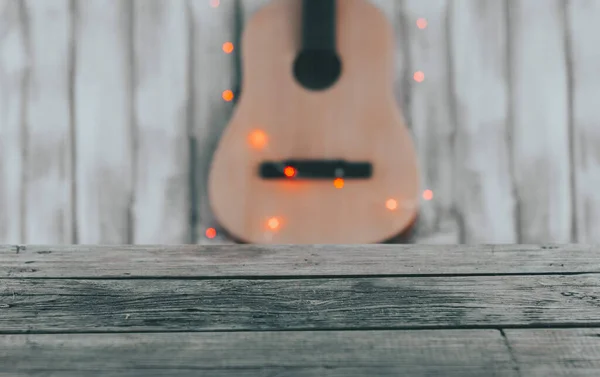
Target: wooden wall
[[111, 109]]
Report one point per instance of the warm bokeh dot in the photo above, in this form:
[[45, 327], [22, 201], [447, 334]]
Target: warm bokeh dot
[[228, 47], [228, 95]]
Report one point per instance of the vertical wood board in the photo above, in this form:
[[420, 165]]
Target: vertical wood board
[[104, 121], [484, 186], [48, 191], [584, 57], [432, 116], [13, 78], [540, 129], [162, 205]]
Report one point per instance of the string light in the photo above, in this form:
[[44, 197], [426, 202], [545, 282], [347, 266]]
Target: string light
[[289, 172], [215, 3], [419, 76], [273, 223], [421, 23], [228, 95], [427, 195], [391, 204], [258, 139], [210, 233], [227, 47], [338, 183]]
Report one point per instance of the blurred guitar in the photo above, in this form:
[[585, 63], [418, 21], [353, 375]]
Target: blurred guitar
[[316, 150]]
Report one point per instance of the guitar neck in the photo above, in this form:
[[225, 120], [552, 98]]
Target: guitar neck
[[319, 25]]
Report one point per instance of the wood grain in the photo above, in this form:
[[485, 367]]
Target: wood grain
[[556, 352], [484, 188], [289, 261], [162, 305], [213, 72], [540, 130], [104, 121], [297, 354], [432, 117], [161, 212], [13, 78], [584, 58], [48, 167]]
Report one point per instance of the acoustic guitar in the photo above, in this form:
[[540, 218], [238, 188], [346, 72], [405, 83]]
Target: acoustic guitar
[[316, 150]]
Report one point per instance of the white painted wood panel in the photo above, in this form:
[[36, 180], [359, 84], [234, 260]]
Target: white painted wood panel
[[213, 73], [584, 42], [540, 129], [104, 121], [48, 168], [431, 116], [110, 113], [161, 212], [13, 78], [484, 192]]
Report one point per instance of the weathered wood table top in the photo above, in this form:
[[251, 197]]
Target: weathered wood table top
[[306, 311]]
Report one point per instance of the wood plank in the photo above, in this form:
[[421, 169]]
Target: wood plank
[[14, 61], [584, 57], [48, 164], [558, 352], [298, 354], [478, 49], [104, 119], [213, 73], [163, 305], [273, 371], [432, 117], [285, 260], [540, 130], [161, 213]]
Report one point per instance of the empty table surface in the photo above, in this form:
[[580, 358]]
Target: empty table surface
[[306, 311]]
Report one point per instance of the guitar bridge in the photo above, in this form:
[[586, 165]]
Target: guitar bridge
[[315, 169]]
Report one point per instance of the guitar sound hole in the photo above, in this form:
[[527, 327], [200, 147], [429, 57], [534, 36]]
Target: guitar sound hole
[[317, 69]]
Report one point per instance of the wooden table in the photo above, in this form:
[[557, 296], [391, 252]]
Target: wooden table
[[305, 311]]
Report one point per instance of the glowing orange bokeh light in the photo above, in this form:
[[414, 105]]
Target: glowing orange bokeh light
[[215, 3], [228, 95], [289, 172], [427, 194], [419, 76], [273, 223], [228, 47], [338, 183], [391, 204], [258, 139], [210, 233], [421, 23]]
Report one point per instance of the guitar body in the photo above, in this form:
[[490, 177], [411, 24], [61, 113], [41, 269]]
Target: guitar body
[[277, 119]]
